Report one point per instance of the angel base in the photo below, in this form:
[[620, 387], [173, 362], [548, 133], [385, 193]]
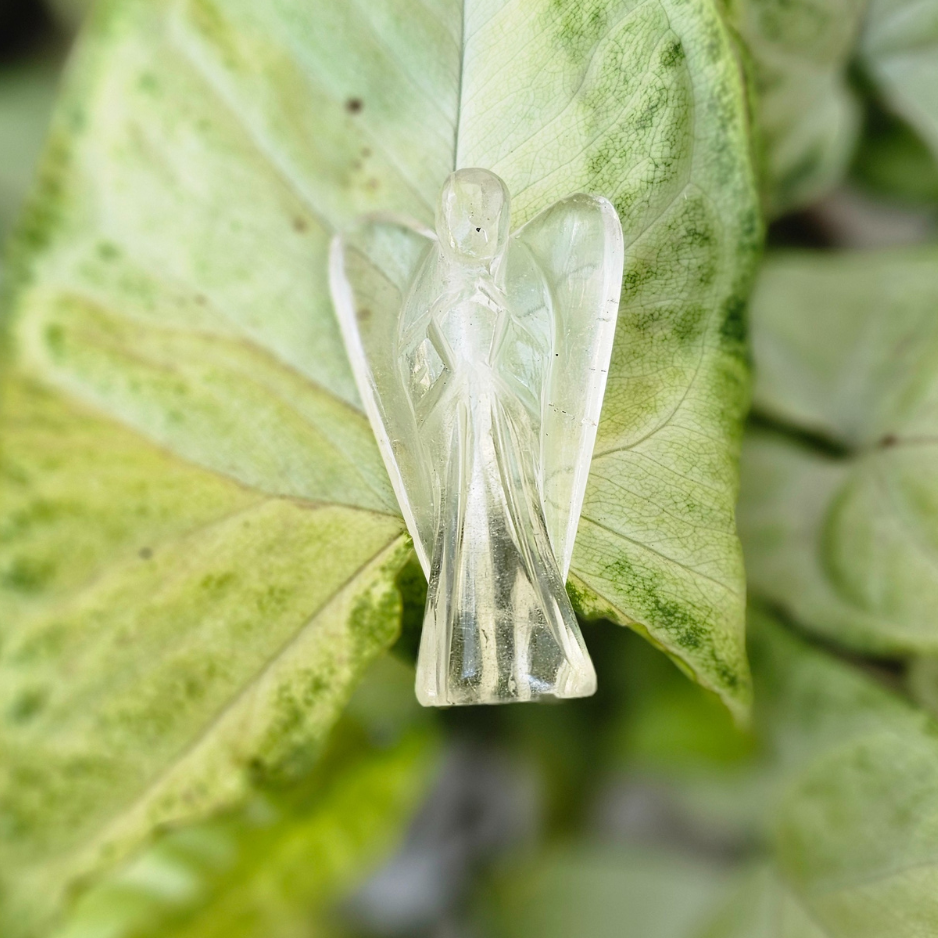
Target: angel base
[[501, 662]]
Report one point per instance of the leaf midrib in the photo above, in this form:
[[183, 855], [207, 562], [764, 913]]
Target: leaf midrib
[[459, 86]]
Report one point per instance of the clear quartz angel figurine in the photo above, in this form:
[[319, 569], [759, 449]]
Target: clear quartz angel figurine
[[481, 359]]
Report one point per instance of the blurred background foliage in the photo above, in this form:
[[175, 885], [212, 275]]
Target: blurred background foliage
[[644, 812], [34, 40]]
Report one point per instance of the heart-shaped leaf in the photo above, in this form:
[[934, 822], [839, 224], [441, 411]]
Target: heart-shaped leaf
[[856, 824], [201, 539], [606, 891], [850, 814], [900, 50], [807, 115], [637, 892], [845, 539]]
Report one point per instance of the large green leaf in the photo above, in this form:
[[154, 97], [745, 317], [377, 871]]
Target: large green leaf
[[276, 866], [161, 648], [900, 50], [808, 118], [851, 822], [638, 892], [762, 906], [845, 536], [201, 539], [604, 891], [205, 153], [856, 819]]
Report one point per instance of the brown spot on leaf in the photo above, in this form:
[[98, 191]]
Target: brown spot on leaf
[[354, 105]]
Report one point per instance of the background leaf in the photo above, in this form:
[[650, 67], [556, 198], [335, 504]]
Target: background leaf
[[763, 906], [277, 865], [900, 50], [843, 533], [856, 825], [849, 827], [605, 891], [808, 117], [640, 893]]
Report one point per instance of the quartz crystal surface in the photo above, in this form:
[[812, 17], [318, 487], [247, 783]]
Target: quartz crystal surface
[[481, 358]]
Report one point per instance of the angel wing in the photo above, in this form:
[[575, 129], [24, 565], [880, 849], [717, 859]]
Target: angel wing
[[373, 268], [577, 245]]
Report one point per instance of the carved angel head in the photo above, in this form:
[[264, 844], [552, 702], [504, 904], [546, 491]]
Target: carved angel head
[[473, 217]]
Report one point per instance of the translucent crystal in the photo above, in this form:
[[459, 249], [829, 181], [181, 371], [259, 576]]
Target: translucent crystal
[[481, 358]]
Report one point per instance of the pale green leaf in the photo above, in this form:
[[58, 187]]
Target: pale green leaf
[[807, 117], [856, 822], [168, 638], [206, 152], [605, 892], [644, 892], [277, 866], [203, 539], [762, 906], [845, 537], [900, 50]]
